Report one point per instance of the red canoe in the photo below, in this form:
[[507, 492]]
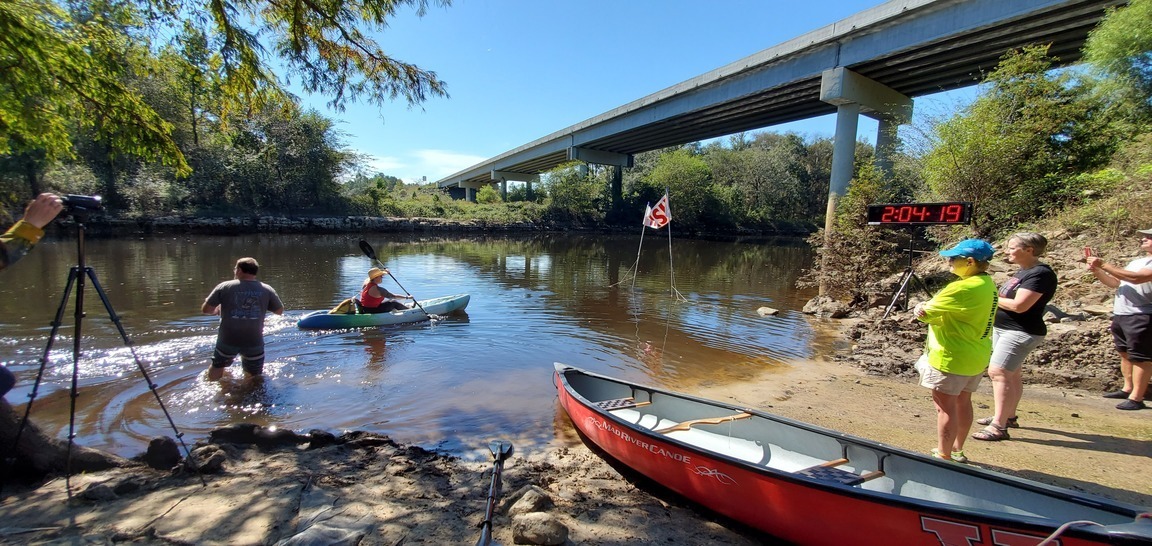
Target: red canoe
[[814, 486]]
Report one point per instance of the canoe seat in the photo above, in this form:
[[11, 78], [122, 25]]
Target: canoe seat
[[828, 472], [620, 403]]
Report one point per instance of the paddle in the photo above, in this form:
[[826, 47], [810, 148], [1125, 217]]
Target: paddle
[[501, 450], [371, 253]]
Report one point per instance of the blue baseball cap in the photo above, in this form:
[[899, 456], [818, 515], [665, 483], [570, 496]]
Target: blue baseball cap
[[977, 249]]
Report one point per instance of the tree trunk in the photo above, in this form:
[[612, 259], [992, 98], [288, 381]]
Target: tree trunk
[[39, 455]]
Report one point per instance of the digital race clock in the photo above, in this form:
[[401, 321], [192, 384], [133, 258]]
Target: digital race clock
[[919, 213]]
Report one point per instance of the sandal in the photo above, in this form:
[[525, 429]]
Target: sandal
[[956, 456], [1012, 422], [991, 433]]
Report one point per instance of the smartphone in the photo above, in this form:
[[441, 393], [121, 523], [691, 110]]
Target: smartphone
[[1088, 252]]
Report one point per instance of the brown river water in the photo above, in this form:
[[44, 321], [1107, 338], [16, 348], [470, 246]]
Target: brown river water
[[610, 304]]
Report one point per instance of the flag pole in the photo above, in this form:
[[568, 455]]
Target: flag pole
[[673, 293], [636, 265]]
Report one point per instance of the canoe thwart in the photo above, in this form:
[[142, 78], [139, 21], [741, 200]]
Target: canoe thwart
[[620, 403], [705, 421]]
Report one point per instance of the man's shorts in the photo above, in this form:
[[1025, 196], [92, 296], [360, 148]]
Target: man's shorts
[[251, 358], [1011, 347], [947, 383], [1131, 334]]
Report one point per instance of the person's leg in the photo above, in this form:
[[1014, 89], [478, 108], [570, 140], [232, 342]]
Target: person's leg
[[947, 423], [1001, 393], [1141, 373], [963, 420], [1126, 371], [252, 360], [1013, 392], [222, 357]]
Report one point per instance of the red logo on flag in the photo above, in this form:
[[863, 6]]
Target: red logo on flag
[[658, 216]]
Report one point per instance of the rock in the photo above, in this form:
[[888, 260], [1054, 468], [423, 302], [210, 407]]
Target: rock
[[530, 498], [130, 484], [207, 459], [538, 528], [321, 438], [162, 453], [766, 311], [1097, 310], [251, 433], [825, 306], [98, 492]]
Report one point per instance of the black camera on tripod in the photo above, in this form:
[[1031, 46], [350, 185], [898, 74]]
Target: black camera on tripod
[[82, 203]]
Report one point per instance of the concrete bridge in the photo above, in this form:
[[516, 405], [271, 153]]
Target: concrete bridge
[[872, 63]]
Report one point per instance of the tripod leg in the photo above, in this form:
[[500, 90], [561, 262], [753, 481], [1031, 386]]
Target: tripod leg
[[73, 274], [140, 365], [899, 290], [923, 287]]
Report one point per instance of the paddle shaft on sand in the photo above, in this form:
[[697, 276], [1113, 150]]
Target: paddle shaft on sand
[[371, 253], [501, 450]]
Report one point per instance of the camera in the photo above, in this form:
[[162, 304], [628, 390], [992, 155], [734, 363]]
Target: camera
[[83, 203]]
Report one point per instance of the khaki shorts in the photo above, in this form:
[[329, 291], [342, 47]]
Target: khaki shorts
[[947, 383]]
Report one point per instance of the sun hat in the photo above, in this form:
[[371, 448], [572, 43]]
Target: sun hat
[[976, 249], [374, 273]]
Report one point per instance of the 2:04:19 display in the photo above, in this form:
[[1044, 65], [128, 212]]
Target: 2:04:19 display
[[920, 213]]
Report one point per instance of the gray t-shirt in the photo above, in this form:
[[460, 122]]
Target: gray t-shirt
[[243, 305], [1134, 299]]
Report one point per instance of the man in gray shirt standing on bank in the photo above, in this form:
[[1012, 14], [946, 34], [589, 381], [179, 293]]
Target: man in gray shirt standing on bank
[[241, 304], [1131, 320]]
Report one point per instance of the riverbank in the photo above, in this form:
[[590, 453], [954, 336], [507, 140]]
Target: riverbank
[[109, 226], [395, 494]]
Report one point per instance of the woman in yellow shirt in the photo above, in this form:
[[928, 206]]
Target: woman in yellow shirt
[[960, 319]]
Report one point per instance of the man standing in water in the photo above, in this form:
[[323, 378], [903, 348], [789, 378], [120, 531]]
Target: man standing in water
[[241, 304]]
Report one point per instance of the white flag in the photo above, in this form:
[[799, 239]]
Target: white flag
[[658, 216]]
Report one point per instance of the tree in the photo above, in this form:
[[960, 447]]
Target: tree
[[54, 71], [1013, 150], [688, 179], [54, 78], [1121, 47]]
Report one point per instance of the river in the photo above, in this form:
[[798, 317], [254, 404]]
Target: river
[[606, 303]]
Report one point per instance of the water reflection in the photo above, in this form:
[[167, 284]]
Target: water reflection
[[446, 384]]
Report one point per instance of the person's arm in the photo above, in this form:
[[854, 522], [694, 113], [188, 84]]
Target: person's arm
[[211, 304], [1023, 301], [21, 237], [274, 303], [1111, 275]]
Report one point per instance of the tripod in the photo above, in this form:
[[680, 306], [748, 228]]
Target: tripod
[[907, 278], [76, 278]]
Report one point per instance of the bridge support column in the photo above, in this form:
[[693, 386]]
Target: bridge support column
[[504, 190], [886, 144], [853, 95]]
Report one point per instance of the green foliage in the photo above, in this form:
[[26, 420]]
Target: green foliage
[[488, 195], [1121, 48], [575, 194], [688, 180], [86, 76], [59, 76], [1013, 150], [1113, 207]]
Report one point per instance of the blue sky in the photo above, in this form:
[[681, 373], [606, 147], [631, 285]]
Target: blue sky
[[517, 70]]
